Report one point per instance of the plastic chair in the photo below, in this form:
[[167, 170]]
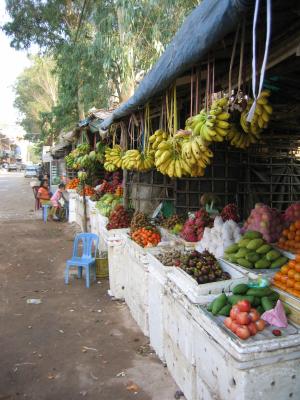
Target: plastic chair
[[88, 258], [37, 204]]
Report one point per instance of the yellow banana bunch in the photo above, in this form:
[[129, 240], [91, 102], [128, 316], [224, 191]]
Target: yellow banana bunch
[[168, 159], [138, 161], [195, 152], [261, 117], [157, 137], [113, 158]]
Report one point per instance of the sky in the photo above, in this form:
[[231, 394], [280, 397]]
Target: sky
[[12, 64]]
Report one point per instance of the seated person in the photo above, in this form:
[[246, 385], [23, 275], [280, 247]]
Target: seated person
[[43, 193], [56, 206]]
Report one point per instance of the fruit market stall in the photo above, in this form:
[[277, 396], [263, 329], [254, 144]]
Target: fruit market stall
[[215, 282]]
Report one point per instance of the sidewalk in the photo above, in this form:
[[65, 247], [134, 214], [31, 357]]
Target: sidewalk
[[77, 343]]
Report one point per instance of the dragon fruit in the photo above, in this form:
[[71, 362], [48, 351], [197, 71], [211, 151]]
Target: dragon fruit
[[193, 228], [230, 212], [292, 213], [268, 221]]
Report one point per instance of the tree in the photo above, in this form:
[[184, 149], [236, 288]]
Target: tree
[[36, 96], [101, 49]]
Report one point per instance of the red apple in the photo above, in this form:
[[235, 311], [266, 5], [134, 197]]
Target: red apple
[[252, 328], [233, 312], [243, 332], [244, 305], [254, 315], [243, 318]]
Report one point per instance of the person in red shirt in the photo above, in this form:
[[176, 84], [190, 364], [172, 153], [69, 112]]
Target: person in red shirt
[[43, 193]]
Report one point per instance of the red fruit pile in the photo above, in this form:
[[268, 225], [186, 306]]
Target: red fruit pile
[[244, 321], [119, 218], [193, 228], [230, 212]]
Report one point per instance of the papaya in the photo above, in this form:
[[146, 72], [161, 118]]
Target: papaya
[[279, 262], [264, 249], [235, 298], [259, 292], [233, 248], [242, 288], [244, 263], [273, 255], [262, 264], [219, 303], [243, 242], [242, 252], [254, 244], [225, 311], [252, 235], [267, 303], [253, 257]]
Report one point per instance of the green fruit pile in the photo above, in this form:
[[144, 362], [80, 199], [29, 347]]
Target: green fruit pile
[[263, 299], [252, 251]]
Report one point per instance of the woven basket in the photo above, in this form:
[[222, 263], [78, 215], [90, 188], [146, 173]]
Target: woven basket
[[102, 268]]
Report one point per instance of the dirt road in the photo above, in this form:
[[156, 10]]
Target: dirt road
[[77, 343]]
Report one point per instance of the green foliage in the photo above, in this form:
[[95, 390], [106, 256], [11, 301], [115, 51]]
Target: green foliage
[[101, 49]]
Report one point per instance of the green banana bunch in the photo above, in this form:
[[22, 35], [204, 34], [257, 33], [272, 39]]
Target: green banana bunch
[[211, 126]]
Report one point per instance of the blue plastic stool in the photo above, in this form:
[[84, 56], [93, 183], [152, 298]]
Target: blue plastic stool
[[88, 258], [45, 211]]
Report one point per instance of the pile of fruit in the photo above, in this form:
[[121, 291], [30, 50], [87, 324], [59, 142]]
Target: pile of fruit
[[252, 251], [244, 308], [119, 218], [266, 220], [292, 213], [288, 278], [230, 212], [139, 220], [169, 258], [88, 190], [107, 203], [203, 267], [173, 223], [220, 236], [193, 228], [96, 196], [73, 183], [147, 236], [290, 237], [119, 191]]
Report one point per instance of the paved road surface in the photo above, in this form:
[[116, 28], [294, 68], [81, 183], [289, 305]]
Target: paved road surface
[[77, 344]]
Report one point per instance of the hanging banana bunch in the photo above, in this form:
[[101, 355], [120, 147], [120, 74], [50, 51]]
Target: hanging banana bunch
[[262, 114], [113, 158], [211, 126], [157, 137]]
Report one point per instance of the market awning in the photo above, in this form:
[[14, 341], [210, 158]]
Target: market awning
[[205, 26], [65, 140]]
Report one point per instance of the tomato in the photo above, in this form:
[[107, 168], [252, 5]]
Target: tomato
[[234, 311], [243, 332], [254, 315], [260, 324], [252, 328], [244, 305], [228, 322], [234, 326], [243, 318]]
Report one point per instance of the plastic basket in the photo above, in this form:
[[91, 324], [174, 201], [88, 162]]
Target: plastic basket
[[102, 268]]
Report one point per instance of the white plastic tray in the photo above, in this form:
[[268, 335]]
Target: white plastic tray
[[200, 294]]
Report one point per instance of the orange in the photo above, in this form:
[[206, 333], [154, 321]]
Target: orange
[[297, 224], [297, 276], [289, 290], [292, 228], [297, 285], [292, 264], [297, 293], [284, 269], [297, 267], [284, 278], [278, 276], [285, 232], [298, 257], [291, 235], [291, 273], [290, 283]]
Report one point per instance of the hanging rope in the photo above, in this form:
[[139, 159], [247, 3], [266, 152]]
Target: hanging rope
[[192, 90], [232, 60], [263, 67]]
